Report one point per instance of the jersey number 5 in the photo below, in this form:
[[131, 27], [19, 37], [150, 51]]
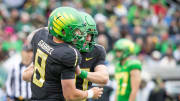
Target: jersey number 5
[[39, 68]]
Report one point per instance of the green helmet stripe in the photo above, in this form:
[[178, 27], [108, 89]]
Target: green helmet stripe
[[58, 21], [65, 19], [56, 30], [62, 19], [57, 26]]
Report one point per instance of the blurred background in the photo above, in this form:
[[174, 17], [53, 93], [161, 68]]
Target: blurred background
[[154, 26]]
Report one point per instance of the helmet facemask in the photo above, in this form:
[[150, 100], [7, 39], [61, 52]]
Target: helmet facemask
[[90, 44], [63, 24], [90, 30], [79, 35]]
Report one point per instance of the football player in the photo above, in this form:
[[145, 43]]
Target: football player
[[127, 71], [93, 58], [55, 59]]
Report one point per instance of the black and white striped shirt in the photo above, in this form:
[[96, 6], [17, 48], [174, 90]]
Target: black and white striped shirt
[[15, 85]]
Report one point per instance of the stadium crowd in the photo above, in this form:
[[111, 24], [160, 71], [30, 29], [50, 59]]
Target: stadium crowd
[[154, 26]]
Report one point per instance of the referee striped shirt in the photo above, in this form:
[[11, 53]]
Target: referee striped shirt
[[16, 87]]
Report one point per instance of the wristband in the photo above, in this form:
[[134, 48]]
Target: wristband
[[83, 74], [90, 94]]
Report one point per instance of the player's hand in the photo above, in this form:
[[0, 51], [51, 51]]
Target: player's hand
[[78, 70], [97, 92]]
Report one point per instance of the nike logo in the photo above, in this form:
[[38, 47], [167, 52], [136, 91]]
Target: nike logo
[[87, 59], [58, 17]]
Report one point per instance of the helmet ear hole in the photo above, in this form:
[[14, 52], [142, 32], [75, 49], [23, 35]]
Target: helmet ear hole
[[63, 32]]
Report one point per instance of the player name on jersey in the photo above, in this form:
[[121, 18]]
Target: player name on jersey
[[45, 46]]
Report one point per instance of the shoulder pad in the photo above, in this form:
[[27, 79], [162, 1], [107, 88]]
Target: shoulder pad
[[134, 64], [100, 48], [71, 57]]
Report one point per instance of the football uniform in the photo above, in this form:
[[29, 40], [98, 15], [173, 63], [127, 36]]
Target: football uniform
[[53, 62], [122, 76], [89, 61]]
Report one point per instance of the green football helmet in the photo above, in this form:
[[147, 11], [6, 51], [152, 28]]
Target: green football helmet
[[90, 29], [63, 23], [125, 46]]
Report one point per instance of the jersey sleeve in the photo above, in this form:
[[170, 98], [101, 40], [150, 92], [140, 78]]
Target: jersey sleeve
[[135, 64], [68, 73], [101, 56], [70, 60]]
